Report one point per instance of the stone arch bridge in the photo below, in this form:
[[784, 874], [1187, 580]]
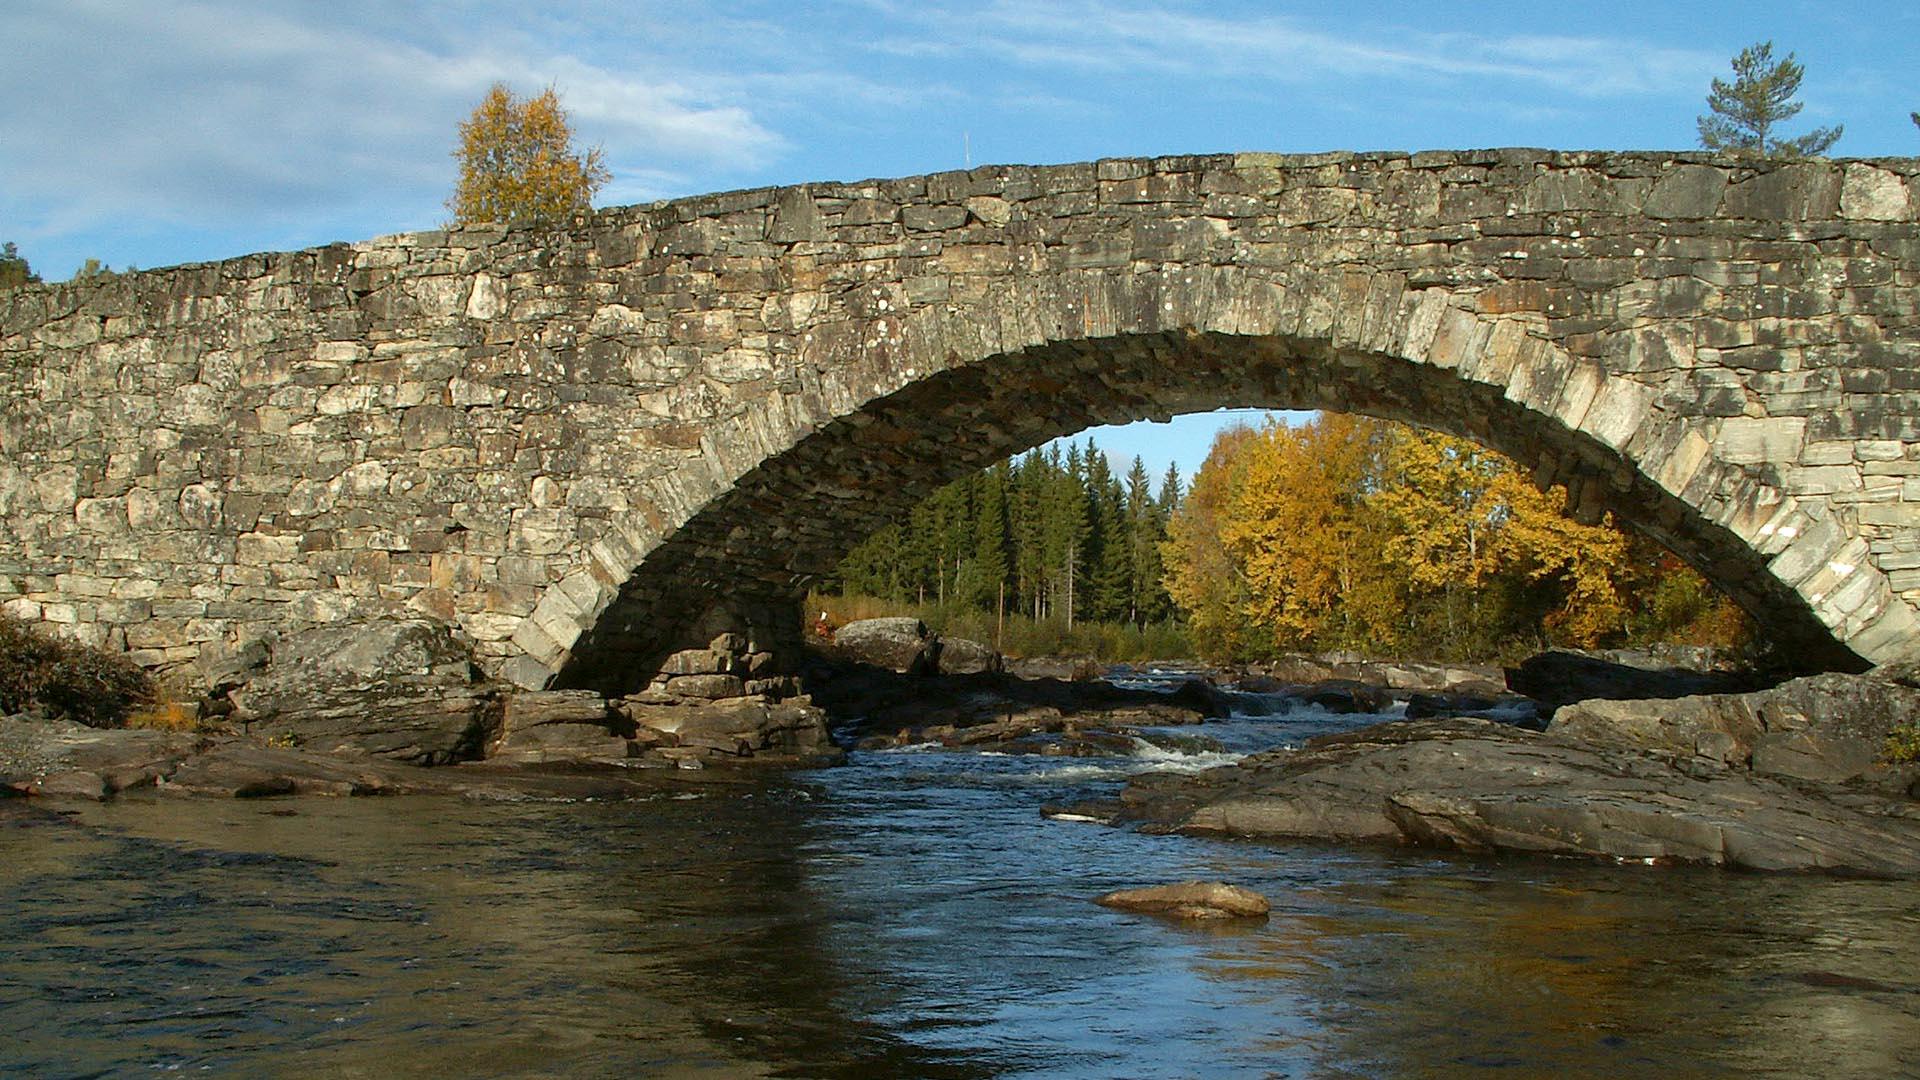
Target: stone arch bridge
[[589, 446]]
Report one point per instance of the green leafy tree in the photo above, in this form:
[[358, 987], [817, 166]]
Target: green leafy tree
[[14, 270], [1746, 111], [517, 162]]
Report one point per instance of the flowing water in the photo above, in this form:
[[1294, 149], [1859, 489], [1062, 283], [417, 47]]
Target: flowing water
[[910, 914]]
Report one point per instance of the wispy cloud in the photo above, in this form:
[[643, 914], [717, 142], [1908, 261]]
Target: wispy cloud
[[189, 112], [1181, 40]]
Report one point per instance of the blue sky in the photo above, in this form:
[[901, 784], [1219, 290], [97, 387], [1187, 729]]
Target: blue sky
[[153, 133]]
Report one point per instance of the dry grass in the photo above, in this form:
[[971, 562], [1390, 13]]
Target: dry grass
[[167, 716]]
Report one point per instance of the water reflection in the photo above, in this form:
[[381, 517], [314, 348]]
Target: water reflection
[[355, 938]]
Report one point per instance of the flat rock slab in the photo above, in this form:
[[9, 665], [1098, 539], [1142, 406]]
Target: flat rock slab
[[1476, 786], [1191, 900], [59, 760]]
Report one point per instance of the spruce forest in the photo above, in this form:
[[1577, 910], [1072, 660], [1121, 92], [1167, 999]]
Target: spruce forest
[[1343, 533]]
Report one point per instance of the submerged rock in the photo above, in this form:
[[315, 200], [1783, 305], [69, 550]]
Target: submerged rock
[[1191, 900]]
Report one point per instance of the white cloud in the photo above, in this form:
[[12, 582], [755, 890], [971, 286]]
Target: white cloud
[[1174, 40], [197, 112]]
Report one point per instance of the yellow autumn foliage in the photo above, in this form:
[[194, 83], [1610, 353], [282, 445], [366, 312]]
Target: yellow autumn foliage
[[1362, 534], [517, 162]]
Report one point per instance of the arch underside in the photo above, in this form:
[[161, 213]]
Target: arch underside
[[794, 516]]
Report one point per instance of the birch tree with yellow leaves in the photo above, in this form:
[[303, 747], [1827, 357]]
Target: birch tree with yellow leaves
[[518, 165]]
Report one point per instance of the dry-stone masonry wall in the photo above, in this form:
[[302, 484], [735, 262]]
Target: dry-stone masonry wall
[[587, 446]]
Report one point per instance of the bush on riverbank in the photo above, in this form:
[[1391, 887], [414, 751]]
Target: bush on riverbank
[[66, 678], [1021, 635], [1903, 743]]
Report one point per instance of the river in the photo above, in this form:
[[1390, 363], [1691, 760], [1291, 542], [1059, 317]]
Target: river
[[909, 914]]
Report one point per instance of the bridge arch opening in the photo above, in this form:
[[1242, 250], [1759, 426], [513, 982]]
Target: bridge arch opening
[[789, 519]]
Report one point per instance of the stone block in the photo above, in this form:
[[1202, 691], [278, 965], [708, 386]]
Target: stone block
[[1874, 194], [1686, 191], [1756, 440]]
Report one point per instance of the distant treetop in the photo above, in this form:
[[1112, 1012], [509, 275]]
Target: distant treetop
[[1760, 97], [14, 270]]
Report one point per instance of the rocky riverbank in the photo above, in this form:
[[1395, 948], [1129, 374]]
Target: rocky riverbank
[[1608, 757], [1788, 778], [398, 707]]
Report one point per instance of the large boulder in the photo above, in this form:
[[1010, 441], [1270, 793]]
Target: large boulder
[[899, 644], [1830, 728], [560, 725], [735, 728], [400, 689], [962, 656]]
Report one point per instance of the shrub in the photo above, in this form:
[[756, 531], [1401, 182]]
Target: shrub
[[166, 716], [66, 678], [1903, 743], [1023, 635]]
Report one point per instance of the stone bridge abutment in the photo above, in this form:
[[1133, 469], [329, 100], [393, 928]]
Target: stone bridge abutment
[[585, 446]]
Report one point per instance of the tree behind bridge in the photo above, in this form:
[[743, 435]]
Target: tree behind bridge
[[518, 165], [14, 270], [1760, 97]]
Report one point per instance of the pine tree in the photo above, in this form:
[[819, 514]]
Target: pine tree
[[1147, 600], [14, 270], [1760, 96], [1109, 553], [1065, 521], [986, 577], [1171, 492]]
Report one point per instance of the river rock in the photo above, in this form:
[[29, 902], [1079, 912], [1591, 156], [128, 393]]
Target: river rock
[[1477, 786], [899, 644], [551, 725], [1829, 728], [243, 769], [1287, 671], [1345, 696], [401, 689], [65, 759], [961, 656], [737, 728], [877, 708], [58, 759], [1064, 668], [1191, 900]]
